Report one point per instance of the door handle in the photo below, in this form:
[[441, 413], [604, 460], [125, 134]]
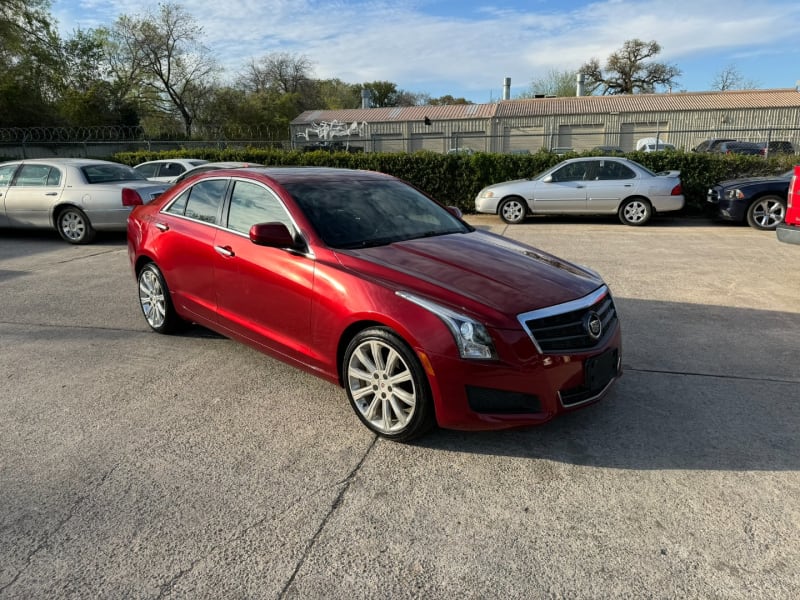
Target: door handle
[[51, 194], [162, 226], [580, 186], [224, 251], [628, 185]]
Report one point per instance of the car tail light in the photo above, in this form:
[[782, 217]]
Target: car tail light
[[676, 191], [131, 197]]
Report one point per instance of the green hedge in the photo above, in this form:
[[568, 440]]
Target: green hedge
[[455, 179]]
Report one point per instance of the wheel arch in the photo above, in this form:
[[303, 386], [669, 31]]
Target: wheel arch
[[636, 197], [347, 336], [513, 196]]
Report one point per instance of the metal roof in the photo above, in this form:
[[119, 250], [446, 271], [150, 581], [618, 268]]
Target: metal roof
[[634, 103]]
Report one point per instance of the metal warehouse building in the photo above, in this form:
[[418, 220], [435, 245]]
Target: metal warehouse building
[[578, 123]]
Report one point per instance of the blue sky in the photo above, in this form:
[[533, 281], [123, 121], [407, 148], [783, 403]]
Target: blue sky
[[466, 47]]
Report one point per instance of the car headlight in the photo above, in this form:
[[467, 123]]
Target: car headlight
[[486, 194], [471, 337], [734, 194]]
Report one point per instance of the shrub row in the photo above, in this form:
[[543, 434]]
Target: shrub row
[[455, 179]]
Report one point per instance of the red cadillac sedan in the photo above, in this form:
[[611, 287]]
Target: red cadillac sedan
[[361, 279]]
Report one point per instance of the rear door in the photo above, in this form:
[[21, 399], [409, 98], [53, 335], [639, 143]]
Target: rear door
[[613, 182], [187, 227], [33, 193]]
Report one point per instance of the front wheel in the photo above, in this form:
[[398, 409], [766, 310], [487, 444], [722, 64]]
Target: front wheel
[[386, 385], [635, 211], [766, 212], [512, 210], [74, 226], [155, 301]]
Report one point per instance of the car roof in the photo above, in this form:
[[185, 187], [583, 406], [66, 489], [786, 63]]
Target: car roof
[[301, 174], [76, 162]]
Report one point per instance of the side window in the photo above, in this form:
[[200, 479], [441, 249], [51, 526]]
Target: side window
[[171, 170], [205, 199], [178, 206], [615, 170], [251, 204], [33, 176], [54, 178], [147, 170], [6, 174], [571, 172]]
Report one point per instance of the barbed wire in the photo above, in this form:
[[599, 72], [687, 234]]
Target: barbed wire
[[103, 133]]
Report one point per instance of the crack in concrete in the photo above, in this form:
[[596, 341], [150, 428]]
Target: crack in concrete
[[46, 541], [166, 588], [346, 482]]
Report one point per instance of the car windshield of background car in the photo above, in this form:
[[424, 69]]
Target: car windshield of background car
[[360, 214], [109, 173]]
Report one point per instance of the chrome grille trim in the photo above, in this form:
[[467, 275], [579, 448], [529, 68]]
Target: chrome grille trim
[[600, 300]]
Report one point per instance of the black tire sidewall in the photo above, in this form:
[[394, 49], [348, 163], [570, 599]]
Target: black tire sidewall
[[171, 320], [750, 209], [89, 232], [519, 201], [621, 211]]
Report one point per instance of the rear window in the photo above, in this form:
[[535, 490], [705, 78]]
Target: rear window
[[110, 173]]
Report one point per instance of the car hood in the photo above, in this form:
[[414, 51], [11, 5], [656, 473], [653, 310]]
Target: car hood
[[752, 180], [479, 271]]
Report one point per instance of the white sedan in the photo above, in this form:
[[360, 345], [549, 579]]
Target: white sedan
[[76, 196], [582, 186], [167, 170]]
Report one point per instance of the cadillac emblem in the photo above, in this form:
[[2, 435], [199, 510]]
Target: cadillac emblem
[[593, 325]]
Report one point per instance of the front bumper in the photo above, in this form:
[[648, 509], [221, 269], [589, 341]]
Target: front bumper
[[531, 390], [486, 205], [728, 209], [788, 233]]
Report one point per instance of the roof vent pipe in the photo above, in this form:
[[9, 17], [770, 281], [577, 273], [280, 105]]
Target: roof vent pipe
[[581, 87], [366, 98], [507, 88]]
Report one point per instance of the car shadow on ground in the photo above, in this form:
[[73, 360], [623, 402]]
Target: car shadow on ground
[[704, 388]]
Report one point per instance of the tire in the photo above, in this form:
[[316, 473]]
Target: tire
[[635, 211], [74, 226], [387, 386], [512, 210], [766, 212], [155, 301]]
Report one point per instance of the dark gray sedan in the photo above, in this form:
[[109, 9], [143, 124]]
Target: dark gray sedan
[[76, 196]]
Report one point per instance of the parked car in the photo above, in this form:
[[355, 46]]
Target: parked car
[[361, 279], [167, 170], [789, 230], [737, 147], [608, 150], [710, 145], [76, 196], [214, 166], [761, 201], [581, 186], [776, 147], [652, 144]]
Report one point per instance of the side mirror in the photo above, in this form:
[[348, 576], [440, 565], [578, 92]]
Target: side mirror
[[548, 179], [455, 211], [273, 235]]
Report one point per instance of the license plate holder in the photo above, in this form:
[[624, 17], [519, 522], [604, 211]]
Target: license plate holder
[[600, 370]]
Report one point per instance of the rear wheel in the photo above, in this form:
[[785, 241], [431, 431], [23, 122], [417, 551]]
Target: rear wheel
[[74, 226], [387, 386], [766, 212], [635, 211], [512, 210], [155, 301]]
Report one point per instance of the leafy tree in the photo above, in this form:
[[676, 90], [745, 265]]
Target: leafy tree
[[163, 52], [730, 78], [447, 99], [382, 93], [335, 94], [554, 83], [629, 70]]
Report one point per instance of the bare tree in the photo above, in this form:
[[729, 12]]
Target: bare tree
[[164, 51], [554, 83], [730, 78], [629, 70], [278, 72]]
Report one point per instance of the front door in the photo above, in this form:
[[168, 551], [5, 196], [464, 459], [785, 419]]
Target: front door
[[566, 192], [33, 193]]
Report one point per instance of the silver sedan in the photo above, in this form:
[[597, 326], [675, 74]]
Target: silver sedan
[[581, 186], [76, 196]]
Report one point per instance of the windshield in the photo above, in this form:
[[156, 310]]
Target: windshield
[[111, 172], [364, 213]]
